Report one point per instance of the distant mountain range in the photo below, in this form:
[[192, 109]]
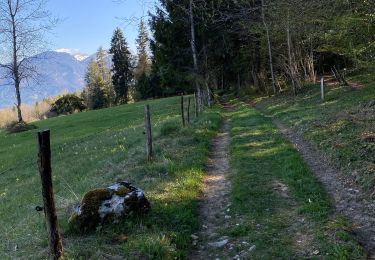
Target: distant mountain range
[[58, 71]]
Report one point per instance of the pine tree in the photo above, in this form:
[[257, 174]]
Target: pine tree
[[109, 94], [144, 90], [94, 91], [121, 67], [143, 64], [142, 71]]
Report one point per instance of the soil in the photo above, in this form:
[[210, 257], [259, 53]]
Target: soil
[[348, 198], [355, 85], [214, 200]]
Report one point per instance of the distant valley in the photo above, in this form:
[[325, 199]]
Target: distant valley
[[58, 71]]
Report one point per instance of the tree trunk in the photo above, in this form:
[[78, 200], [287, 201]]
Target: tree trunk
[[15, 69], [291, 65], [269, 49], [18, 95], [256, 81], [208, 91], [195, 56], [222, 81], [238, 84]]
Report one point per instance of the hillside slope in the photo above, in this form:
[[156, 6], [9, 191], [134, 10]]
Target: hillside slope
[[92, 150]]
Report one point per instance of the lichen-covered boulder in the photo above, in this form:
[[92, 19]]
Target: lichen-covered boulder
[[109, 204]]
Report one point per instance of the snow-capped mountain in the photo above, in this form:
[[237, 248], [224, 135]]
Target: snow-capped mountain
[[58, 71], [75, 53]]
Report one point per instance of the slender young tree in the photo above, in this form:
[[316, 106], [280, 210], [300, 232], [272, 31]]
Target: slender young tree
[[121, 67], [143, 62], [195, 54], [269, 46], [102, 63], [95, 87], [23, 25]]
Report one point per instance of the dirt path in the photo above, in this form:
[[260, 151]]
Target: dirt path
[[348, 200], [214, 201]]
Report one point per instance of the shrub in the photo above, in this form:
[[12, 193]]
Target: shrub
[[30, 113], [17, 127], [68, 104]]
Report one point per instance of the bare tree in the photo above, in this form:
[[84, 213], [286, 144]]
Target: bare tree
[[269, 48], [23, 25], [194, 54]]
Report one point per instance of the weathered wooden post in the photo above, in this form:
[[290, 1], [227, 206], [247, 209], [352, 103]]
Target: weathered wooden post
[[188, 111], [322, 88], [56, 249], [182, 110], [195, 105], [148, 133]]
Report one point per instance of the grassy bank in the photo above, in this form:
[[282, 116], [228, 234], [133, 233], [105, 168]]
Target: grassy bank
[[277, 203], [342, 126], [94, 149]]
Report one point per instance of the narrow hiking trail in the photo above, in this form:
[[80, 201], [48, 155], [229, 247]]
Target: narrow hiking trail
[[348, 200], [214, 201]]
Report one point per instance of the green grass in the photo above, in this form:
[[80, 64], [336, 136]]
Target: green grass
[[336, 126], [277, 203], [94, 149]]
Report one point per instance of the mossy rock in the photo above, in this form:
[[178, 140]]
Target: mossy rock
[[111, 204]]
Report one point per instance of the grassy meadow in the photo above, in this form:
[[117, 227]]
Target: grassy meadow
[[92, 150]]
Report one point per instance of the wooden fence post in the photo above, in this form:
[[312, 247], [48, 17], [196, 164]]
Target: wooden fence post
[[195, 105], [322, 88], [56, 249], [182, 110], [148, 133], [188, 111]]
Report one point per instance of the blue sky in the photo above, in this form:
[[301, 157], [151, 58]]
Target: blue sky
[[87, 24]]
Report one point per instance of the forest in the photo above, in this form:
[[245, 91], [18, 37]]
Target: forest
[[264, 45]]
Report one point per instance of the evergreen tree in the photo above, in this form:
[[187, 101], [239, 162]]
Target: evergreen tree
[[143, 64], [170, 47], [108, 91], [94, 93], [143, 87], [121, 66]]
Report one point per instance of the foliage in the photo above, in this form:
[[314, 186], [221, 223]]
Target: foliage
[[121, 67], [143, 87], [143, 62], [68, 104], [171, 47], [99, 92], [232, 41], [30, 113]]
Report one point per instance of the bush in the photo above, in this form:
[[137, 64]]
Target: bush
[[170, 127], [68, 104], [30, 113], [16, 127]]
